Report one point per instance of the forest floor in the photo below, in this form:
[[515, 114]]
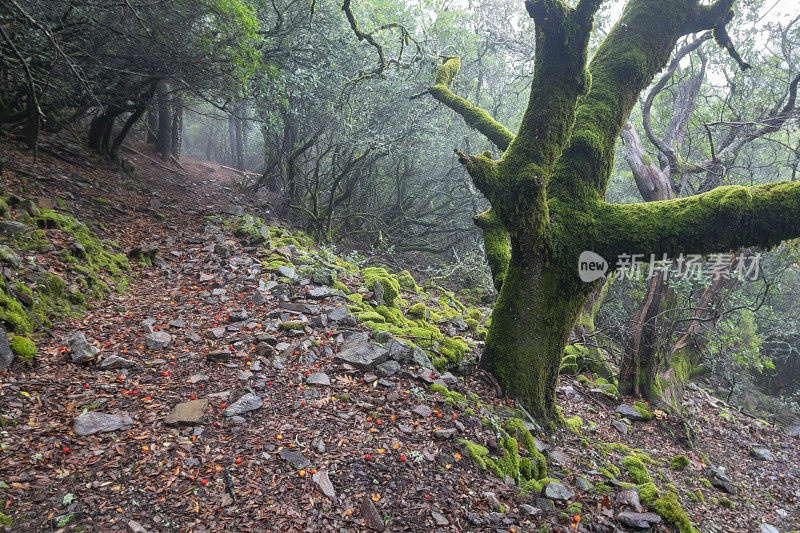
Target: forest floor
[[381, 448]]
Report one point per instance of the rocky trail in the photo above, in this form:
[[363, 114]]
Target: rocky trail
[[231, 385]]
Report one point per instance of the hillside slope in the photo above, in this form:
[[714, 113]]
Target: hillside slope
[[237, 377]]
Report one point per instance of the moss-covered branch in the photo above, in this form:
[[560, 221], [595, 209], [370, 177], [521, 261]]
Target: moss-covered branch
[[637, 48], [717, 221], [495, 241], [474, 116]]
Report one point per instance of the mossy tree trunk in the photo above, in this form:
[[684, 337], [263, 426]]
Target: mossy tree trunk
[[547, 190]]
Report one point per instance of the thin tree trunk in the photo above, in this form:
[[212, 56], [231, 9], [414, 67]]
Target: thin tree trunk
[[164, 136], [177, 127]]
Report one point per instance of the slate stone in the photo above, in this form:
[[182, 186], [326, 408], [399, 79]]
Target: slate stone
[[215, 333], [320, 293], [10, 257], [388, 368], [444, 434], [359, 352], [15, 228], [114, 362], [6, 355], [423, 410], [92, 422], [80, 350], [638, 520], [318, 378], [286, 271], [197, 378], [248, 402], [371, 515], [630, 412], [323, 484], [768, 528], [219, 356], [158, 340], [528, 510], [294, 458], [187, 413], [338, 313], [556, 491], [399, 351], [439, 519], [794, 431], [762, 454], [620, 426]]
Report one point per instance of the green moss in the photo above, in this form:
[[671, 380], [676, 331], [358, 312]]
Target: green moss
[[476, 452], [679, 462], [696, 496], [392, 316], [292, 325], [253, 229], [5, 520], [706, 483], [391, 287], [574, 424], [726, 503], [644, 410], [516, 429], [355, 298], [24, 348], [648, 493], [611, 471], [636, 469], [371, 316], [406, 281], [668, 508], [338, 285], [444, 392]]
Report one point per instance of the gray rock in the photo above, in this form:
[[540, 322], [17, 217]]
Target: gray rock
[[444, 434], [492, 500], [323, 484], [91, 423], [420, 358], [620, 426], [187, 413], [6, 355], [528, 510], [423, 410], [248, 402], [370, 513], [318, 378], [439, 519], [197, 378], [223, 249], [238, 315], [13, 227], [638, 520], [459, 323], [762, 454], [388, 368], [320, 293], [630, 412], [449, 379], [158, 340], [794, 430], [80, 350], [215, 333], [338, 313], [359, 352], [556, 491], [114, 362], [286, 271], [10, 257], [399, 351], [558, 457], [135, 527], [768, 528], [218, 356], [294, 458]]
